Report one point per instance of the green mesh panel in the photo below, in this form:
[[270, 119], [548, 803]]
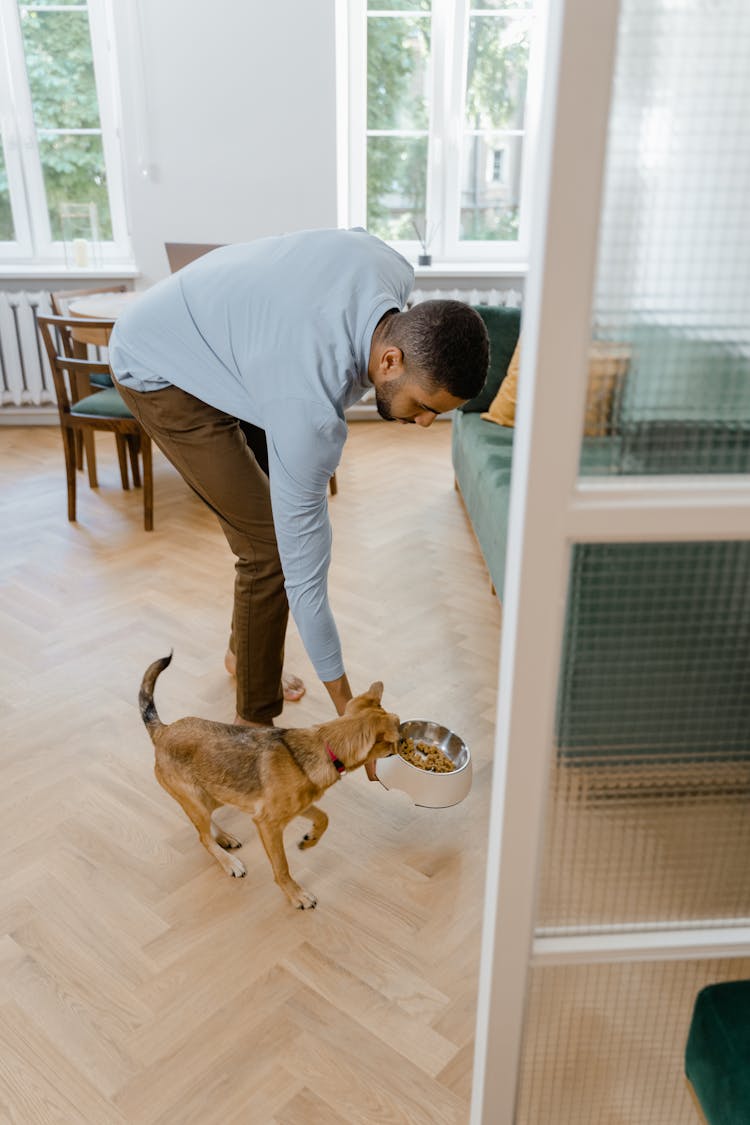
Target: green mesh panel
[[656, 657], [674, 243]]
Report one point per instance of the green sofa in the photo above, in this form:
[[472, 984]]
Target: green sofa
[[717, 1055], [656, 650], [482, 451]]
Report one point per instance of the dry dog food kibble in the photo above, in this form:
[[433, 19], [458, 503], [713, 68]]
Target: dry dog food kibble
[[427, 757]]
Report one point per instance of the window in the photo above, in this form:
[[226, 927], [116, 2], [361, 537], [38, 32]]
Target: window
[[61, 197], [440, 108]]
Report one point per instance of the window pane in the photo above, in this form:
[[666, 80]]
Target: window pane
[[398, 54], [57, 46], [401, 5], [7, 230], [496, 72], [494, 5], [73, 170], [396, 186], [491, 187]]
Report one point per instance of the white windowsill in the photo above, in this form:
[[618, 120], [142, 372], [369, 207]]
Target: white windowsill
[[484, 270], [472, 269], [11, 272]]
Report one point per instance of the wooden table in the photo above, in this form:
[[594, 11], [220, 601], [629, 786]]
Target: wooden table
[[98, 306]]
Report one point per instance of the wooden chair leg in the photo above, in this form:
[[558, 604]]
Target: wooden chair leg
[[148, 483], [75, 394], [334, 485], [120, 441], [134, 445], [88, 445], [69, 451]]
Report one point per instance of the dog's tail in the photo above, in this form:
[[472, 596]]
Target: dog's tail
[[146, 694]]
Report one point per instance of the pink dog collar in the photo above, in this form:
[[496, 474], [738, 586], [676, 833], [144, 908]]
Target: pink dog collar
[[336, 761]]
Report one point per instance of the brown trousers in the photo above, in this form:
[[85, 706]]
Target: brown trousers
[[225, 462]]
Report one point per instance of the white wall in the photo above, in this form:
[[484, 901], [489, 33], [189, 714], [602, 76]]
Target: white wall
[[230, 106]]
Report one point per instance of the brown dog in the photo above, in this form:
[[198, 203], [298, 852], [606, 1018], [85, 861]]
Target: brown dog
[[271, 773]]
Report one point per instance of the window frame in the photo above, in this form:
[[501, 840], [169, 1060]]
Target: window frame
[[34, 243], [450, 35]]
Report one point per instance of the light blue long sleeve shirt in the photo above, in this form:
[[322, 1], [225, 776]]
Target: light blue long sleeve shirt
[[276, 332]]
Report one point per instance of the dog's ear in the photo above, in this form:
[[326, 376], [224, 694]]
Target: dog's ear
[[390, 731], [375, 691]]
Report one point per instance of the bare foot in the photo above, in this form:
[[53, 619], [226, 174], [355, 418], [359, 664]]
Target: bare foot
[[293, 686]]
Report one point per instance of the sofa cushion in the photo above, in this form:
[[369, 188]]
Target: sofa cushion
[[503, 327], [686, 406], [717, 1055], [482, 457], [608, 365], [503, 406]]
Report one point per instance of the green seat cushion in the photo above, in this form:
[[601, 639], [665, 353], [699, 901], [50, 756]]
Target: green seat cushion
[[503, 326], [104, 404], [717, 1055], [101, 380]]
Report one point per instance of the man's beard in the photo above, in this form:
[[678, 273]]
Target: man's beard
[[383, 400]]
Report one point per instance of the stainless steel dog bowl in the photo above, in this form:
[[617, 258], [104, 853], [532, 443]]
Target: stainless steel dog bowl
[[429, 790]]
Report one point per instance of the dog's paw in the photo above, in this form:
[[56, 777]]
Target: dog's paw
[[307, 841], [303, 900], [227, 841], [236, 867]]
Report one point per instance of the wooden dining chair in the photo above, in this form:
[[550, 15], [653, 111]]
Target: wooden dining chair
[[104, 409], [60, 301]]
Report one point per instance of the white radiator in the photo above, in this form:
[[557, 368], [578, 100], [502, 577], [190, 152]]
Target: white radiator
[[510, 298], [25, 378]]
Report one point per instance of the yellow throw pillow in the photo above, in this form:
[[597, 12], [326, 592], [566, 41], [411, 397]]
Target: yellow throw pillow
[[503, 407], [608, 365]]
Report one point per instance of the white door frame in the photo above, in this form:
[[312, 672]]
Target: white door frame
[[550, 510]]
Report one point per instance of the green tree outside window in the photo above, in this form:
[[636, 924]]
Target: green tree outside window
[[7, 230], [60, 69]]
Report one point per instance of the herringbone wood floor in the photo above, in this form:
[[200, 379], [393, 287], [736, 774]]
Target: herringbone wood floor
[[138, 983]]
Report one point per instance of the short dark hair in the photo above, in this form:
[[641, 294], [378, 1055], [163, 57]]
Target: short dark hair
[[445, 343]]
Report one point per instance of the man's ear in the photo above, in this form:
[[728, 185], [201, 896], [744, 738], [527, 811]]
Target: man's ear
[[392, 362]]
